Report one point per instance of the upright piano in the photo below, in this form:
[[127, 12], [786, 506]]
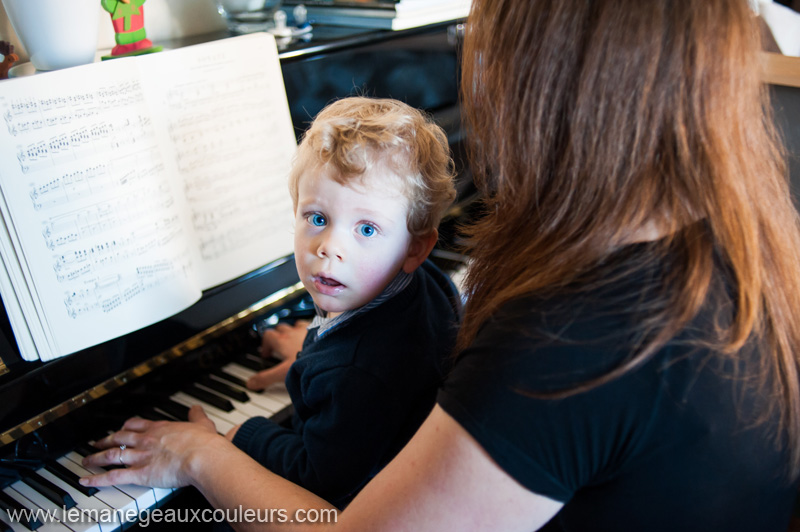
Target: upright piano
[[50, 413]]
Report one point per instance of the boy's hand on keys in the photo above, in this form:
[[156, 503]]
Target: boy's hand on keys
[[284, 342]]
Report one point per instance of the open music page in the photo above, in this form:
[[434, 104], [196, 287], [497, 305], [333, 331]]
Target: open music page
[[124, 188], [222, 107]]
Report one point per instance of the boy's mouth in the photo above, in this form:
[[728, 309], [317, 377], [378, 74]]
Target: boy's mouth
[[327, 285]]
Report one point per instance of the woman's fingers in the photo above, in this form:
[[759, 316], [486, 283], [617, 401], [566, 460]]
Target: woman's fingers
[[113, 477], [198, 415], [151, 451], [124, 435], [115, 456]]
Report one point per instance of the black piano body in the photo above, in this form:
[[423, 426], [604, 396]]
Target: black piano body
[[49, 409]]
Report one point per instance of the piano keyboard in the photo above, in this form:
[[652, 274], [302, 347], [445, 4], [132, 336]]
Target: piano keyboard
[[54, 487]]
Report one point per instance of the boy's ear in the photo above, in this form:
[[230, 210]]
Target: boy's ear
[[419, 249]]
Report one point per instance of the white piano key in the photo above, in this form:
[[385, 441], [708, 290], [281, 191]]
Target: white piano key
[[263, 402], [266, 402], [144, 497], [277, 390], [123, 503], [162, 494], [276, 396], [27, 496], [279, 393], [15, 526], [25, 512], [267, 406], [238, 370], [222, 424], [84, 502], [234, 416]]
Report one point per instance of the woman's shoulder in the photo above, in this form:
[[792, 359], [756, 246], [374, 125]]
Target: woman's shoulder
[[584, 330]]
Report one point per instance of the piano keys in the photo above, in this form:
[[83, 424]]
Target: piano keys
[[51, 485]]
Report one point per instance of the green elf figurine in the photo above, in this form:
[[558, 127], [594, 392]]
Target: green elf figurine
[[127, 16]]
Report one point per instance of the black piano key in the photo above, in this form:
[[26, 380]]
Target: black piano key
[[5, 527], [225, 389], [271, 361], [49, 490], [176, 410], [85, 449], [9, 503], [69, 477], [256, 363], [233, 379], [153, 415], [209, 397]]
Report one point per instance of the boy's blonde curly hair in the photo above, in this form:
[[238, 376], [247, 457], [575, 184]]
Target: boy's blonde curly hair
[[353, 136]]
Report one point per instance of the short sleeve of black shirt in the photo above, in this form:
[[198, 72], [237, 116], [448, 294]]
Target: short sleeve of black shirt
[[552, 446]]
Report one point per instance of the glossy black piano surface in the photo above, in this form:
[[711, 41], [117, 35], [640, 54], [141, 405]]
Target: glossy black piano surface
[[48, 409]]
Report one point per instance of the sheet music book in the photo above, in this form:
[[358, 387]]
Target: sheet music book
[[129, 186]]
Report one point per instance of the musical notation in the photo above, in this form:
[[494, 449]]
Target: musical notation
[[69, 186], [85, 261], [129, 210], [93, 181], [105, 294], [26, 114], [93, 139], [230, 174], [210, 91]]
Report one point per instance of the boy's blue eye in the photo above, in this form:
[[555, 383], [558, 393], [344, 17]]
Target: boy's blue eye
[[318, 220], [366, 230]]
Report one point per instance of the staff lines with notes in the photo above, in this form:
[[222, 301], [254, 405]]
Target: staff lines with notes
[[219, 206], [108, 215], [223, 161], [104, 294], [201, 138], [97, 180], [97, 186], [94, 139], [51, 111]]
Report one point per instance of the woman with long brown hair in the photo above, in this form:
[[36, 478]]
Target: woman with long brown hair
[[629, 355]]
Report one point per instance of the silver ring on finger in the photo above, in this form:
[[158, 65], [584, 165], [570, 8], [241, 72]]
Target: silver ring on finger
[[121, 448]]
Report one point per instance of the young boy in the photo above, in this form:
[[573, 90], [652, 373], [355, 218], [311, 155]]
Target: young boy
[[370, 183]]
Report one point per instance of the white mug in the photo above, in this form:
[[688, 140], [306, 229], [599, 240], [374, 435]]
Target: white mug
[[56, 33]]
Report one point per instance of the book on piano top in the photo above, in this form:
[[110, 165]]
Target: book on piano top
[[128, 187], [383, 14]]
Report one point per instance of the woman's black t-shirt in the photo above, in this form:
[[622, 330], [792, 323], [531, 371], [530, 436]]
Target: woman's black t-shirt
[[669, 446]]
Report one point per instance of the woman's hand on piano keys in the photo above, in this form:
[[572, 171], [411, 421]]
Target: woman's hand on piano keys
[[283, 341], [154, 453]]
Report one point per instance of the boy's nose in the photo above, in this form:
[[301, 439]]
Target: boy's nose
[[330, 248]]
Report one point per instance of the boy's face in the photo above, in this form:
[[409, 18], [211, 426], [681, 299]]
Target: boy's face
[[350, 240]]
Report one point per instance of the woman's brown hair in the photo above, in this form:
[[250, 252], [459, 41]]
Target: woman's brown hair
[[594, 121]]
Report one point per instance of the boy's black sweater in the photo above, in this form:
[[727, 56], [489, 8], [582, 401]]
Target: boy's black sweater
[[361, 391]]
